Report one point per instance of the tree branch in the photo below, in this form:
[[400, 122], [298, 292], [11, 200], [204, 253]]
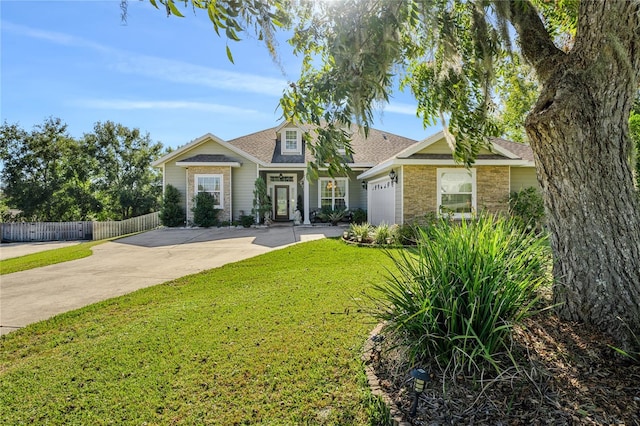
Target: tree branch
[[536, 43]]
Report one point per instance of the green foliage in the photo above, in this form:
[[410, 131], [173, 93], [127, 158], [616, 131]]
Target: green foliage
[[261, 200], [246, 221], [327, 214], [359, 216], [361, 230], [518, 91], [204, 212], [51, 176], [253, 342], [527, 205], [380, 233], [456, 298], [46, 173], [172, 212], [127, 185]]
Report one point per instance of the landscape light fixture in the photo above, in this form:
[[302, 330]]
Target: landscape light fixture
[[393, 176], [420, 379]]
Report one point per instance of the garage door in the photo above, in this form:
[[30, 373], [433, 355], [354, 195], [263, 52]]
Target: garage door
[[381, 204]]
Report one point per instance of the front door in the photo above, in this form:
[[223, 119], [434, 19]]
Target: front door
[[282, 202]]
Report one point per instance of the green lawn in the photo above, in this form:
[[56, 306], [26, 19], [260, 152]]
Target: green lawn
[[47, 257], [273, 340]]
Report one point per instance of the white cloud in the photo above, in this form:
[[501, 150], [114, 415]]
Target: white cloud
[[186, 73], [160, 68], [124, 104], [400, 108]]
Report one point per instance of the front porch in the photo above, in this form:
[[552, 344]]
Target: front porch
[[290, 192]]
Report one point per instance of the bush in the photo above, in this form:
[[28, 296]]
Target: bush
[[331, 215], [380, 233], [527, 205], [246, 221], [456, 297], [359, 216], [361, 230], [171, 212], [204, 212]]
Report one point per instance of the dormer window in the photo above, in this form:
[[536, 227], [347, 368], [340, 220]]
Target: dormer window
[[291, 141]]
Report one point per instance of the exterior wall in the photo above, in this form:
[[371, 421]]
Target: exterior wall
[[225, 171], [242, 186], [421, 197], [493, 189], [357, 195], [242, 179], [523, 177]]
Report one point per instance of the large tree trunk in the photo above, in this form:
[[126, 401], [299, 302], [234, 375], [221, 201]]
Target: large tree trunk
[[579, 134]]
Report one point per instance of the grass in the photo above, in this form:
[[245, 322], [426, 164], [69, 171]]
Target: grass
[[275, 339], [47, 257]]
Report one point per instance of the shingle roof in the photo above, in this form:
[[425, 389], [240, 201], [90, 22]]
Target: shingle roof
[[377, 147], [522, 150], [209, 158]]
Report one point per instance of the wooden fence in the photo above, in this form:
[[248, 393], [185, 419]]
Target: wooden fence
[[64, 231], [102, 230]]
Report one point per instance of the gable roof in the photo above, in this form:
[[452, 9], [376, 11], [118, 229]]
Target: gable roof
[[368, 151], [504, 152]]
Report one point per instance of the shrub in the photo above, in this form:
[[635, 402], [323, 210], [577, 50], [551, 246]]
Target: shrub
[[361, 230], [171, 212], [204, 212], [246, 221], [456, 296], [359, 216], [331, 215], [527, 205], [380, 233], [261, 200]]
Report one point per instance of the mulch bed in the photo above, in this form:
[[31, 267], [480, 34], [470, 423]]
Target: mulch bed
[[568, 376]]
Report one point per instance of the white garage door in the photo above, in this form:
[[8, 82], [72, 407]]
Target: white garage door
[[381, 204]]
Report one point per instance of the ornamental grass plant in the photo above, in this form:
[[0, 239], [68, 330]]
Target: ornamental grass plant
[[455, 298]]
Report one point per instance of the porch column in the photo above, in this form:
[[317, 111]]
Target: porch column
[[305, 186]]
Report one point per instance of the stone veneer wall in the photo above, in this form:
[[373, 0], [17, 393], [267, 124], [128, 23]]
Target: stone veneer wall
[[420, 191], [225, 171]]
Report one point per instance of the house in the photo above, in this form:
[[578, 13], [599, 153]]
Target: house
[[396, 179]]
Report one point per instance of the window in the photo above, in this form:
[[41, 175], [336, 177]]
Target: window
[[333, 193], [211, 184], [291, 141], [457, 192]]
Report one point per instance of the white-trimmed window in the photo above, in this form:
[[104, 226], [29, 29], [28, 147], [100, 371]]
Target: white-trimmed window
[[333, 193], [211, 184], [457, 192], [291, 141]]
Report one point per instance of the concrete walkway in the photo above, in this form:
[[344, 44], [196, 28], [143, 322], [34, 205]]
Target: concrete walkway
[[135, 262]]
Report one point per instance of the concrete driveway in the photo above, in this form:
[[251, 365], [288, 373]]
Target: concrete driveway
[[135, 262]]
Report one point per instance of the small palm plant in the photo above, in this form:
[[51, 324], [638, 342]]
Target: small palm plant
[[360, 231]]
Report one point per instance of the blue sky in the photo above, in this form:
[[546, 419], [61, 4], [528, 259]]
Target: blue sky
[[169, 77]]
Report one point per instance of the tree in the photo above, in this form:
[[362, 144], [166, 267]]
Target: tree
[[204, 212], [125, 182], [634, 129], [261, 200], [45, 174], [171, 213], [586, 58]]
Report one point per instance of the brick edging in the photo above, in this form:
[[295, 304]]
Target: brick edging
[[397, 418]]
